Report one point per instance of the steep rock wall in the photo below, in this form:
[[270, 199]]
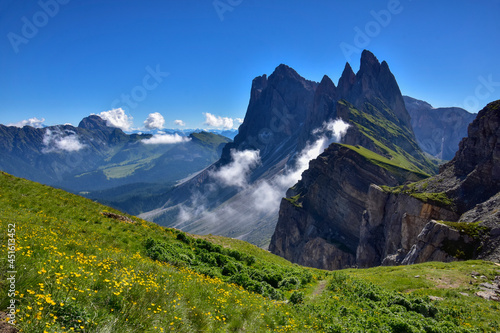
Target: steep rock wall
[[391, 225], [320, 220]]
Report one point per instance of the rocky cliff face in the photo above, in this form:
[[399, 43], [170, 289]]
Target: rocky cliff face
[[275, 118], [438, 130], [320, 220], [374, 83], [465, 195], [371, 101], [284, 112], [391, 224], [337, 216]]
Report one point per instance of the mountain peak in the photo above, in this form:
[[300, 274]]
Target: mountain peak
[[347, 80], [93, 122], [368, 63], [326, 81], [284, 71], [347, 73], [438, 130], [413, 103], [258, 84]]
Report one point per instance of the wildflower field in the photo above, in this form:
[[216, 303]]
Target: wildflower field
[[77, 269]]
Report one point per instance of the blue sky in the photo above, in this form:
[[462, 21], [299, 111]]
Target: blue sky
[[86, 55]]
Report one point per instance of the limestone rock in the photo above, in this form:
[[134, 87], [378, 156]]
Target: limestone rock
[[429, 244], [326, 207]]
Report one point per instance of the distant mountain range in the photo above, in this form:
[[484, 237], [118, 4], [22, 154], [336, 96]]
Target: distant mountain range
[[228, 133], [438, 130], [96, 157]]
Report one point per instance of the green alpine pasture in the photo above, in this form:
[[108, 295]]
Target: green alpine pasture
[[79, 268]]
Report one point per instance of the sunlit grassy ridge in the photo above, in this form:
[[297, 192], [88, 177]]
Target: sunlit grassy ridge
[[381, 126], [80, 271]]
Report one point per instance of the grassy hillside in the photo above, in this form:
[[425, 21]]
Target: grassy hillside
[[390, 165], [82, 269], [388, 137]]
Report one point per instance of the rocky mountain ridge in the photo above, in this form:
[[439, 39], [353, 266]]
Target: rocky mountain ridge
[[451, 216], [312, 228], [286, 114]]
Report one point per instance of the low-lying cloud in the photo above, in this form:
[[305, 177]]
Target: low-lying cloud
[[61, 141], [337, 128], [236, 173], [179, 122], [162, 139], [117, 118], [262, 197], [154, 121], [221, 122], [274, 189], [33, 122]]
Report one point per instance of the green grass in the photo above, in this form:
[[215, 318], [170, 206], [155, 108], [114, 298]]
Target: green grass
[[439, 199], [210, 139], [245, 247], [472, 229], [382, 127], [295, 201], [388, 164], [126, 168], [80, 271], [451, 281]]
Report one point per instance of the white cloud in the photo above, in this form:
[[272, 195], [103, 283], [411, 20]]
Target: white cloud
[[154, 121], [57, 141], [238, 120], [330, 132], [162, 138], [337, 128], [33, 122], [261, 198], [117, 118], [265, 196], [236, 172], [179, 122], [218, 121]]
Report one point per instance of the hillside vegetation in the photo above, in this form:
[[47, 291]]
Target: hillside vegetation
[[387, 137], [84, 267]]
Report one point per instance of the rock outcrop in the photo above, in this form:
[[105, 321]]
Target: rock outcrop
[[465, 195], [320, 220], [490, 291], [339, 215], [438, 130], [391, 224], [438, 242]]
